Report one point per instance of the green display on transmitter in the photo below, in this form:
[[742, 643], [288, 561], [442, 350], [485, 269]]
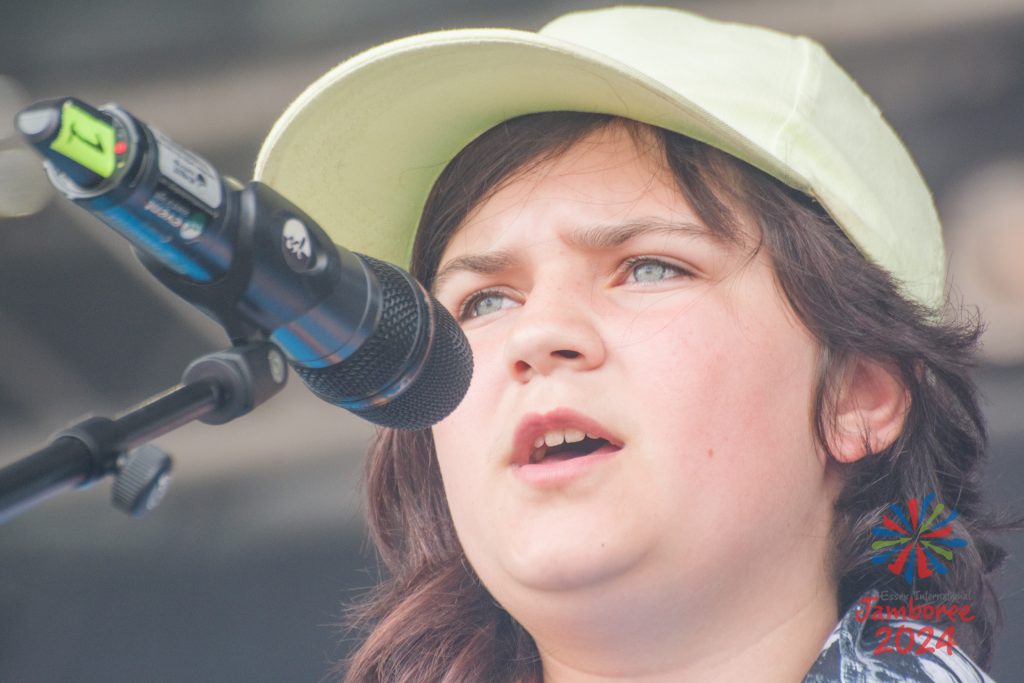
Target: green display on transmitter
[[85, 139]]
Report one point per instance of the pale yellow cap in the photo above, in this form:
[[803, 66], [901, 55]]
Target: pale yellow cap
[[360, 149]]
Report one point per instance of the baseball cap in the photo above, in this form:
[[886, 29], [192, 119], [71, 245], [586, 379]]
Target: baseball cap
[[360, 148]]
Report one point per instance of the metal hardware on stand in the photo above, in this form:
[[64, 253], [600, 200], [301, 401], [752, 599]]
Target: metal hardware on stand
[[214, 389]]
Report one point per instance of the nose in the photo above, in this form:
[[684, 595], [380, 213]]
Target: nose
[[553, 333]]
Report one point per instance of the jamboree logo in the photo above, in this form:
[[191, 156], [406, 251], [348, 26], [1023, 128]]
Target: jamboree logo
[[911, 544]]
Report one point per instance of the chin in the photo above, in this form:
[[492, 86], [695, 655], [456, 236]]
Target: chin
[[553, 567]]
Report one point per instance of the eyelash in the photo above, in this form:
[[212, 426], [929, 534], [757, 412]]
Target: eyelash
[[627, 266]]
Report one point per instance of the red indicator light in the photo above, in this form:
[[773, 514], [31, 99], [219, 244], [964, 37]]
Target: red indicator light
[[120, 147]]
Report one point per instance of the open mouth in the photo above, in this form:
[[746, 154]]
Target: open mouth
[[559, 436], [567, 451]]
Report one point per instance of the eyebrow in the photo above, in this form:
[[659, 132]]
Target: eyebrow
[[593, 238], [609, 236]]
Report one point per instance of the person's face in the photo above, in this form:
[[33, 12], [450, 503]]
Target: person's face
[[596, 301]]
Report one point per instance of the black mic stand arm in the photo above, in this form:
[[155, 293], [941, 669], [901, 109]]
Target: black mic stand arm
[[215, 389]]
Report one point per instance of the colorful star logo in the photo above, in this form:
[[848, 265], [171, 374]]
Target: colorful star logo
[[910, 545]]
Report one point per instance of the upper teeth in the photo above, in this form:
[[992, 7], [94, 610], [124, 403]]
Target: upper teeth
[[557, 437]]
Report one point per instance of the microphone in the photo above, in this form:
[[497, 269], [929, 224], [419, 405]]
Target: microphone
[[361, 333]]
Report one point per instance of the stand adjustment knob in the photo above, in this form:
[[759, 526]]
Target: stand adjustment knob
[[142, 480]]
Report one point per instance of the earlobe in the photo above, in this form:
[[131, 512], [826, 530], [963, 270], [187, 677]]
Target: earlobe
[[873, 403]]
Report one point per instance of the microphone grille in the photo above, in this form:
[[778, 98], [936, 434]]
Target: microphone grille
[[396, 348], [441, 385]]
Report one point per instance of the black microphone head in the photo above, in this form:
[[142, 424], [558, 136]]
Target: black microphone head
[[412, 371]]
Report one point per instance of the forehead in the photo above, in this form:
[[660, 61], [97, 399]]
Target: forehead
[[611, 185]]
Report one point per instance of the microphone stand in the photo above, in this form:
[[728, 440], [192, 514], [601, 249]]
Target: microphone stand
[[215, 389]]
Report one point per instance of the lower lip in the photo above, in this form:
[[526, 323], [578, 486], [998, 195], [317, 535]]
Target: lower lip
[[553, 472]]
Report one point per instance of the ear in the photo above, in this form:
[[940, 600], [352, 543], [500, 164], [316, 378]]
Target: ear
[[872, 405]]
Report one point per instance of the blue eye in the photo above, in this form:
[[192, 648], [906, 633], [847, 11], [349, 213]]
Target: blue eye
[[642, 270], [648, 270], [483, 303]]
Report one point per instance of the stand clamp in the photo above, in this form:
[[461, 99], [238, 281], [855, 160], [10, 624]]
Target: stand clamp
[[215, 389]]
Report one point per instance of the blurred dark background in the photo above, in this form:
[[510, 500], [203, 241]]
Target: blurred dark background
[[242, 574]]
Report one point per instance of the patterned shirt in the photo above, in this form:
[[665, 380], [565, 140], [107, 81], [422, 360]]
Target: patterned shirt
[[863, 650]]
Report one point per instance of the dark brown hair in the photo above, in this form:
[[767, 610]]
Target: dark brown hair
[[430, 619]]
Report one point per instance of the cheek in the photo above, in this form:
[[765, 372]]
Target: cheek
[[453, 439], [466, 445], [457, 477], [731, 408], [729, 386]]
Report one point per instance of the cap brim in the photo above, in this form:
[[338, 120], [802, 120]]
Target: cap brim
[[360, 149]]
